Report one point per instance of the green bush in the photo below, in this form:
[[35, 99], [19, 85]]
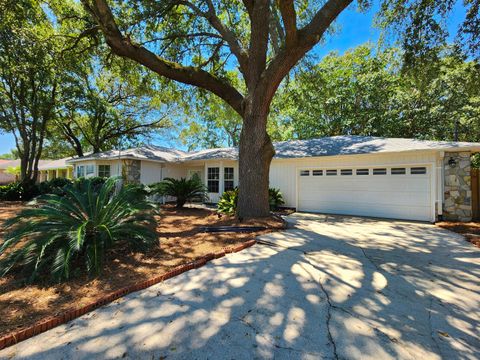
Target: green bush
[[275, 198], [183, 190], [66, 233], [229, 199], [96, 181], [18, 191], [54, 186], [228, 202]]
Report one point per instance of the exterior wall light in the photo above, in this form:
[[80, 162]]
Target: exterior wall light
[[452, 162]]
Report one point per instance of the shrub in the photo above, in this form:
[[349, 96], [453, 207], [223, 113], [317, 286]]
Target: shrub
[[228, 202], [275, 198], [96, 182], [54, 186], [229, 199], [183, 190], [66, 233], [18, 191]]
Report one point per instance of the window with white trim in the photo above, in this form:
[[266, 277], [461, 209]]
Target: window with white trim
[[398, 171], [304, 172], [381, 171], [346, 172], [418, 170], [90, 169], [317, 172], [331, 172], [104, 171], [363, 172], [228, 176], [80, 171], [213, 179]]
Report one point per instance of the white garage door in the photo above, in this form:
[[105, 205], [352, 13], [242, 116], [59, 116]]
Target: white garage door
[[402, 192]]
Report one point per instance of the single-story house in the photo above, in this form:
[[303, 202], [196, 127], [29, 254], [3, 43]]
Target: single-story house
[[47, 170], [5, 177], [353, 175], [51, 169]]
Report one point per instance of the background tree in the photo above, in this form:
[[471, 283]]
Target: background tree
[[374, 93], [209, 122], [196, 42], [29, 81], [112, 103]]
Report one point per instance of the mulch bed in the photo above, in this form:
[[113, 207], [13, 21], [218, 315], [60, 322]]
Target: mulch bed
[[180, 242], [470, 230]]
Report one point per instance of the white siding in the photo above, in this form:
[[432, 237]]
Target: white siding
[[150, 172], [283, 172], [175, 171]]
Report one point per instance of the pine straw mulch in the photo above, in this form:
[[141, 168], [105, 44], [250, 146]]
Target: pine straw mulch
[[470, 230], [180, 242]]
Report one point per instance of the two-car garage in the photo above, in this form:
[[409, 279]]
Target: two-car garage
[[398, 192]]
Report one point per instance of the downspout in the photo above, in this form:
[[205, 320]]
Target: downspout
[[441, 185]]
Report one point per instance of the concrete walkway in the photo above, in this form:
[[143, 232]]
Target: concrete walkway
[[331, 287]]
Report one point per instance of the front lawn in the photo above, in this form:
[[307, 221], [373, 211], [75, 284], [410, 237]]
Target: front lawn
[[180, 242]]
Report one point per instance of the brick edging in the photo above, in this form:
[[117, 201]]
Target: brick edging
[[53, 321]]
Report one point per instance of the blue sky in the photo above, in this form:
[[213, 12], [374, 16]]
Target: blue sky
[[355, 28]]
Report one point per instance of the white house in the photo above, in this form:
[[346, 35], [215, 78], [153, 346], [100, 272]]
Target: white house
[[353, 175]]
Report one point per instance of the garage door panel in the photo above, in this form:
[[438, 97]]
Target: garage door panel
[[406, 196], [365, 184], [374, 210], [372, 197]]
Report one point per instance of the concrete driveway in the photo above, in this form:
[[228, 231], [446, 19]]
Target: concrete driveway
[[331, 287]]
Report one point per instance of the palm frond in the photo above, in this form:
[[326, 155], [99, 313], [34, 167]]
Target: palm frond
[[76, 228]]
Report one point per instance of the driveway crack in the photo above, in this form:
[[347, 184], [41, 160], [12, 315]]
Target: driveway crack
[[329, 316], [430, 326]]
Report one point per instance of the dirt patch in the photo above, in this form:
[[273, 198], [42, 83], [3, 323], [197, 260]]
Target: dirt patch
[[180, 242], [471, 230]]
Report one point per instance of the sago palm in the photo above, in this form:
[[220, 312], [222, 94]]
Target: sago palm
[[183, 190], [64, 233]]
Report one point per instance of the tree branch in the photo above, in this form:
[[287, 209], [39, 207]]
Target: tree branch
[[185, 74], [289, 18], [306, 38], [227, 35]]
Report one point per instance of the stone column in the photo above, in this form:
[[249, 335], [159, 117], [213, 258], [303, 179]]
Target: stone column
[[458, 187], [131, 170]]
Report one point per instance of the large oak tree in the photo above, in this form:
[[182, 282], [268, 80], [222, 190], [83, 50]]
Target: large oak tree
[[198, 42]]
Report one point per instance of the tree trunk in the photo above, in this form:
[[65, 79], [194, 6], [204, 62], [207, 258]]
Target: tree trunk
[[256, 153]]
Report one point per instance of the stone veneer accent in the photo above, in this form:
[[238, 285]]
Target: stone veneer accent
[[458, 187], [131, 171]]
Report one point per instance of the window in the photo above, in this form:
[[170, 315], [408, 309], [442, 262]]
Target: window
[[379, 171], [362, 172], [418, 170], [331, 172], [346, 172], [228, 179], [213, 179], [317, 172], [398, 171], [104, 171], [305, 173], [80, 171], [90, 169]]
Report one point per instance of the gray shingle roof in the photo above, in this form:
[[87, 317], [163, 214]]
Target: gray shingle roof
[[149, 152], [328, 146], [55, 164]]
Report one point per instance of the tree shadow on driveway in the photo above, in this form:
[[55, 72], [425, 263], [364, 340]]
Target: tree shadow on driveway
[[332, 287]]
